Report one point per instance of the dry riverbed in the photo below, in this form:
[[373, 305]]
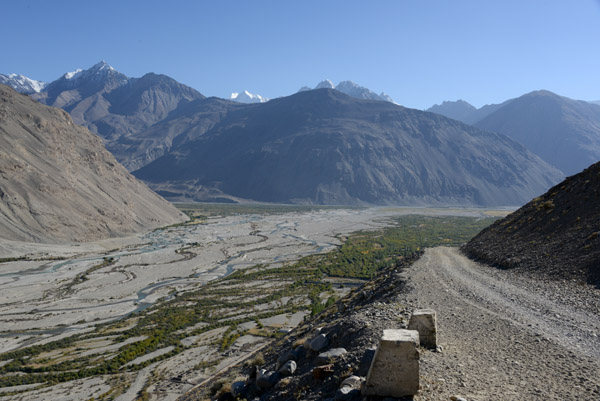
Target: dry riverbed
[[92, 299]]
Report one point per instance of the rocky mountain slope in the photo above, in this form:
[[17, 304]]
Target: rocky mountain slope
[[325, 147], [555, 235], [118, 108], [563, 132], [58, 182], [21, 83]]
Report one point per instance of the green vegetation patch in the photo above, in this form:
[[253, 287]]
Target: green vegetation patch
[[248, 295]]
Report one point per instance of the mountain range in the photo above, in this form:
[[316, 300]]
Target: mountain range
[[130, 114], [118, 108], [325, 147], [351, 89], [143, 119], [59, 183], [562, 131]]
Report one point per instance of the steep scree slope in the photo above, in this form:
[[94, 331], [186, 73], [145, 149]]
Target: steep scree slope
[[556, 234], [58, 182]]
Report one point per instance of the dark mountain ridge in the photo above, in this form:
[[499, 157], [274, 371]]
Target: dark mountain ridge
[[117, 107], [555, 235], [325, 147]]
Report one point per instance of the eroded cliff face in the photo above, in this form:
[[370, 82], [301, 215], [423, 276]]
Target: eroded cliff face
[[58, 183]]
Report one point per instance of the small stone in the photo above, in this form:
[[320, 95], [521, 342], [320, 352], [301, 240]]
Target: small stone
[[286, 356], [330, 356], [288, 368], [353, 382], [317, 343], [266, 379], [237, 388], [346, 394], [457, 398]]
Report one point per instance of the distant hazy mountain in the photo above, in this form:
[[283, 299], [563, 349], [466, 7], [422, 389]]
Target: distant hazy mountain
[[351, 89], [58, 182], [21, 83], [117, 107], [555, 234], [247, 97], [324, 147], [596, 102], [458, 110], [464, 111], [563, 132]]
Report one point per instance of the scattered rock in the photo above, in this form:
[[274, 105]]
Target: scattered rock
[[286, 356], [457, 398], [266, 379], [288, 368], [237, 388], [330, 356], [353, 382], [317, 343], [346, 394]]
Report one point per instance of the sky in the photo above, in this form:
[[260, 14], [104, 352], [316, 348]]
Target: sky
[[419, 52]]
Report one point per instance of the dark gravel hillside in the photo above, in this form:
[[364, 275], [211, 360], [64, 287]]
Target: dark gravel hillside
[[556, 234]]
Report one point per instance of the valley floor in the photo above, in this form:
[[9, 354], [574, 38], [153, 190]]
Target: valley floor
[[504, 336], [83, 310]]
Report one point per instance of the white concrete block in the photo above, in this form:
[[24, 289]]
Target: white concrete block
[[425, 322], [394, 371]]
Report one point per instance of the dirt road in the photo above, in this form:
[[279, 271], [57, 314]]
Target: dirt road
[[505, 336]]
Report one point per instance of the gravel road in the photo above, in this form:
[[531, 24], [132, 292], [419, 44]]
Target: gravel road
[[505, 335]]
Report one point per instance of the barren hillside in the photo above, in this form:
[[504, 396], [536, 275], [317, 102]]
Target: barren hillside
[[59, 183]]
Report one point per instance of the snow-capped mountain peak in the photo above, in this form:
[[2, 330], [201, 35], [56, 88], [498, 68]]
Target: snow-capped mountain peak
[[247, 97], [73, 74], [101, 68], [21, 83], [100, 73], [327, 84]]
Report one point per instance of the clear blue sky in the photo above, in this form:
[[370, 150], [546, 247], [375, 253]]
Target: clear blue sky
[[419, 52]]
